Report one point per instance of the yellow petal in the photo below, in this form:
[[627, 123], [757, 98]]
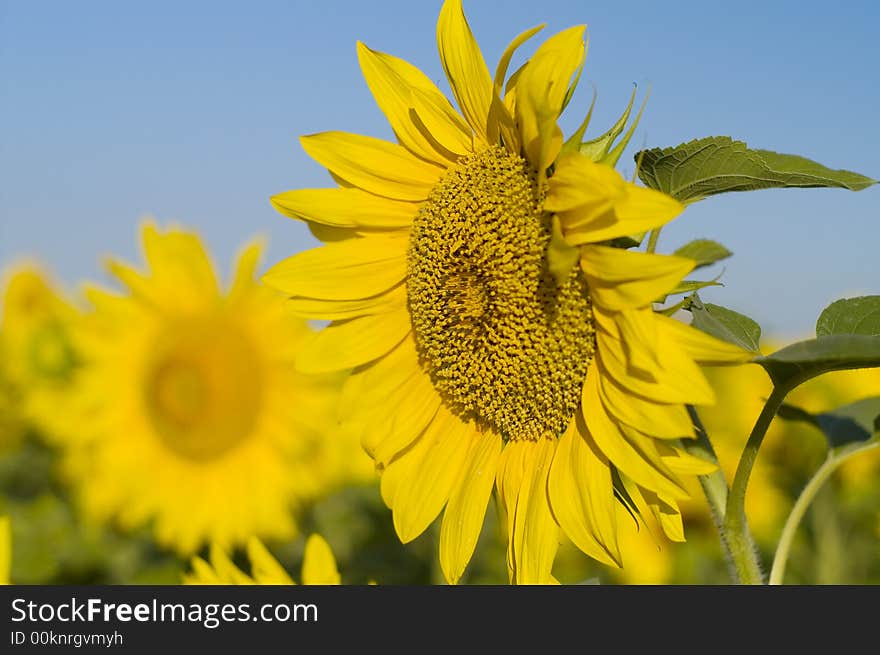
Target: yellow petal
[[582, 494], [385, 169], [620, 279], [392, 80], [464, 66], [355, 341], [542, 89], [244, 277], [509, 480], [684, 463], [202, 574], [319, 565], [412, 407], [419, 499], [676, 379], [612, 441], [336, 310], [441, 125], [178, 261], [595, 204], [226, 570], [345, 207], [500, 118], [264, 567], [466, 510], [345, 270], [535, 533], [660, 420], [702, 347]]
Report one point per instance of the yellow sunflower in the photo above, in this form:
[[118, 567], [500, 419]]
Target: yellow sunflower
[[499, 339], [38, 358], [318, 567], [193, 415]]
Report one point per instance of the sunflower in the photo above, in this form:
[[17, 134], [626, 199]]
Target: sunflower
[[38, 357], [499, 338], [192, 413], [318, 567]]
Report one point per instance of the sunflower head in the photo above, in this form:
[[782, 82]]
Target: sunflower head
[[499, 337], [191, 415], [39, 359]]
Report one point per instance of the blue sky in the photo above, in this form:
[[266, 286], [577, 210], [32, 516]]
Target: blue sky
[[191, 111]]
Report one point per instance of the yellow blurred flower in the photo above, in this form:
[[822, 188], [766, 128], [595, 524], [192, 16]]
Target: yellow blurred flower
[[318, 568], [39, 360], [193, 417], [499, 341], [5, 550]]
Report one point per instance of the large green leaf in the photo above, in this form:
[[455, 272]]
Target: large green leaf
[[851, 316], [724, 323], [705, 167], [801, 361], [857, 421]]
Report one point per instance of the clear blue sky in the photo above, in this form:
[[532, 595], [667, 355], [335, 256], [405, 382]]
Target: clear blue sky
[[190, 111]]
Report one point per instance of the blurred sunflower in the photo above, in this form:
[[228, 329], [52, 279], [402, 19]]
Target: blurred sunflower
[[318, 568], [38, 359], [498, 337], [193, 415], [5, 550]]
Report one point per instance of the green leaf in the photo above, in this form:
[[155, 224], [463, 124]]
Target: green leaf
[[703, 251], [801, 361], [705, 167], [851, 316], [725, 324], [858, 421]]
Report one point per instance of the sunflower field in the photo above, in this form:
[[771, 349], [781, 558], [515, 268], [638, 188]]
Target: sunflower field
[[490, 369]]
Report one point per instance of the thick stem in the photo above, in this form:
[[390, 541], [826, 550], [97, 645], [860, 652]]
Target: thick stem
[[714, 485], [742, 548]]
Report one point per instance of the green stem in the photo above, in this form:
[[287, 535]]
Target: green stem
[[714, 485], [652, 239], [834, 460], [736, 529]]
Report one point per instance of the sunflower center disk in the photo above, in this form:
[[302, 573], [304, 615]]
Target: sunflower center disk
[[504, 344], [202, 391]]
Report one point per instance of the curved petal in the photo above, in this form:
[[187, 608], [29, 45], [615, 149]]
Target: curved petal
[[660, 420], [466, 510], [541, 93], [535, 532], [413, 407], [420, 497], [620, 279], [319, 565], [337, 310], [613, 442], [464, 66], [244, 276], [345, 207], [346, 344], [385, 169], [345, 270], [594, 203], [582, 494], [702, 347], [441, 125], [392, 80], [264, 567]]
